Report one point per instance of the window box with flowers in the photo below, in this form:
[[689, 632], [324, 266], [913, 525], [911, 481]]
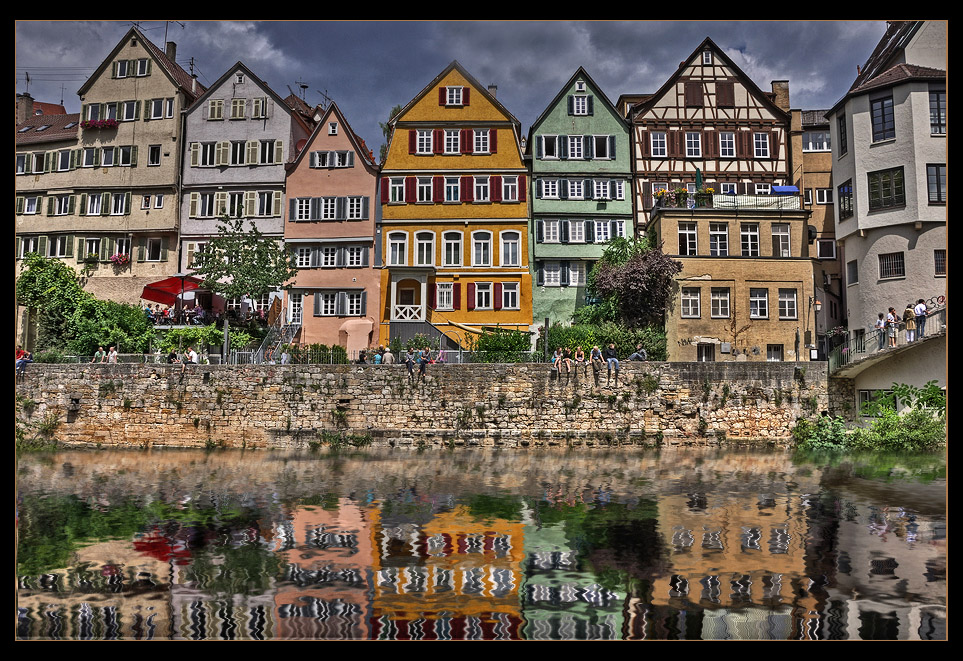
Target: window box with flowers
[[99, 124], [703, 196], [120, 259]]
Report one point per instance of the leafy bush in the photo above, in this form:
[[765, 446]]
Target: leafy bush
[[917, 430], [503, 346], [625, 338], [824, 433]]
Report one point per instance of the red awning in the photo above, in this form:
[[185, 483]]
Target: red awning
[[167, 290]]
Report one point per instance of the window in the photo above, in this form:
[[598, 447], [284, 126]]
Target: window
[[705, 352], [852, 273], [156, 108], [938, 112], [891, 265], [690, 302], [601, 147], [551, 274], [269, 152], [237, 108], [303, 256], [453, 96], [886, 189], [936, 183], [549, 146], [328, 256], [92, 247], [329, 208], [238, 152], [123, 246], [510, 295], [30, 204], [302, 208], [510, 188], [396, 190], [128, 111], [727, 144], [816, 141], [550, 188], [826, 249], [205, 205], [939, 261], [483, 296], [763, 189], [727, 188], [719, 239], [481, 189], [576, 189], [159, 201], [574, 146], [107, 157], [600, 189], [397, 249], [452, 189], [265, 203], [63, 160], [259, 108], [576, 231], [580, 104], [603, 231], [424, 189], [154, 250], [773, 352], [511, 249], [145, 201], [707, 57], [215, 109], [206, 154], [760, 144], [658, 143], [425, 249], [121, 68], [143, 67], [354, 256], [89, 158], [444, 298], [787, 303], [758, 303], [693, 144], [94, 202], [357, 208], [452, 248], [808, 196], [169, 107], [841, 131], [687, 238], [576, 274], [824, 196], [720, 302], [153, 155], [332, 128], [60, 246], [423, 143], [780, 240], [749, 235], [482, 249], [884, 124], [62, 205], [452, 141], [345, 159], [28, 245], [481, 141], [125, 156], [845, 197]]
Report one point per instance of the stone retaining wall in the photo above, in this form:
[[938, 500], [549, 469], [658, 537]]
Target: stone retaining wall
[[523, 405]]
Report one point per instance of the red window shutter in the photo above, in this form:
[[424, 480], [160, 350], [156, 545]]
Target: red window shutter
[[410, 195], [442, 95], [522, 189], [433, 301], [468, 190], [412, 141], [465, 96], [471, 296], [439, 141], [725, 94], [645, 143], [493, 141], [438, 183], [456, 296], [710, 144], [384, 190], [496, 188], [498, 296], [467, 141], [774, 145]]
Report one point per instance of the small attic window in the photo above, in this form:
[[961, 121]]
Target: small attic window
[[333, 128], [70, 125], [25, 129], [707, 57], [239, 78], [580, 86], [43, 128]]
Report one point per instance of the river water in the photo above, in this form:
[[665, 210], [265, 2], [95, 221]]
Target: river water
[[534, 545]]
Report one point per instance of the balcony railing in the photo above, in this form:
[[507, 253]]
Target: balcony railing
[[407, 313], [863, 345], [718, 201]]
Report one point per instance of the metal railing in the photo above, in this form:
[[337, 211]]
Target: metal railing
[[718, 201], [864, 344]]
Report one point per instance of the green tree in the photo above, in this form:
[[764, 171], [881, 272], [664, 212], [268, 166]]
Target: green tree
[[386, 132], [241, 262], [634, 278]]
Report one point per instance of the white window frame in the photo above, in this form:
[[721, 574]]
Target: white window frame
[[482, 188], [690, 303], [424, 142], [688, 239], [452, 247], [550, 189], [156, 108], [142, 67], [63, 160], [123, 69], [787, 304], [329, 208], [482, 141], [760, 144], [553, 141], [481, 248], [354, 256], [600, 189], [510, 297], [397, 249], [159, 201], [576, 189], [302, 208], [483, 296], [601, 145], [576, 231], [444, 296], [575, 147], [154, 249], [758, 303], [781, 234], [693, 144], [603, 231], [31, 204], [510, 188], [152, 152], [453, 190], [728, 188], [328, 257], [91, 246], [28, 245], [824, 196], [145, 202], [303, 256], [551, 231], [580, 105], [94, 204], [59, 245], [727, 144], [749, 239], [511, 249], [424, 186], [452, 142], [396, 190], [551, 274], [454, 95], [821, 252], [61, 205], [719, 302], [355, 207], [332, 128], [424, 249], [719, 239], [658, 146], [128, 111]]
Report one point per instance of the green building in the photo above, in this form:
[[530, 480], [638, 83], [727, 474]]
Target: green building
[[581, 193]]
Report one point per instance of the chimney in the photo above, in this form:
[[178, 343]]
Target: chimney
[[780, 90], [492, 89], [24, 107], [171, 51]]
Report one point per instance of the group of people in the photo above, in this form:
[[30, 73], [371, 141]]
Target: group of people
[[913, 319], [169, 315], [22, 358], [564, 359], [101, 356]]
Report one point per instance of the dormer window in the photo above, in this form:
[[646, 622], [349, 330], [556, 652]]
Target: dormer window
[[707, 57], [333, 128]]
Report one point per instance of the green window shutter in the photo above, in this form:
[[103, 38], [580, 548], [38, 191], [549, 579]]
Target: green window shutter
[[127, 203], [146, 116], [70, 245], [278, 151], [42, 246], [276, 207], [149, 63], [71, 204], [141, 248], [74, 158], [137, 105], [106, 248], [113, 69], [96, 157], [133, 156], [21, 204], [48, 161], [163, 256], [105, 204], [83, 204], [80, 248], [17, 248], [28, 164], [83, 111], [50, 205]]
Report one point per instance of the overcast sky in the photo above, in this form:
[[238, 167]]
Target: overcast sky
[[369, 67]]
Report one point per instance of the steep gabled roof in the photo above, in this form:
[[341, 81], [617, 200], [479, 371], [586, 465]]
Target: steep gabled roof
[[751, 86], [300, 106], [471, 79], [59, 128], [359, 145], [898, 34], [579, 73], [240, 66], [171, 69]]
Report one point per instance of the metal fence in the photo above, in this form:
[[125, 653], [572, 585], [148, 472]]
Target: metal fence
[[862, 344]]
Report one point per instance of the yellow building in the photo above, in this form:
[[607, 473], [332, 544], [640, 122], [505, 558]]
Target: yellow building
[[454, 215]]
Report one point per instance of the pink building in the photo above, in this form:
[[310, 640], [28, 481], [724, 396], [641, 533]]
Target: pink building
[[330, 227]]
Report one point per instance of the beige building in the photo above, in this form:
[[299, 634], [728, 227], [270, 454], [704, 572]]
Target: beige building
[[106, 201]]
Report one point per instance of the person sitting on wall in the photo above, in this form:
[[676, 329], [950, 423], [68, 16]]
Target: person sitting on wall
[[612, 358], [639, 354]]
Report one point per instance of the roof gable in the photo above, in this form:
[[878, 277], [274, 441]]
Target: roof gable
[[358, 144], [480, 106], [567, 88]]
